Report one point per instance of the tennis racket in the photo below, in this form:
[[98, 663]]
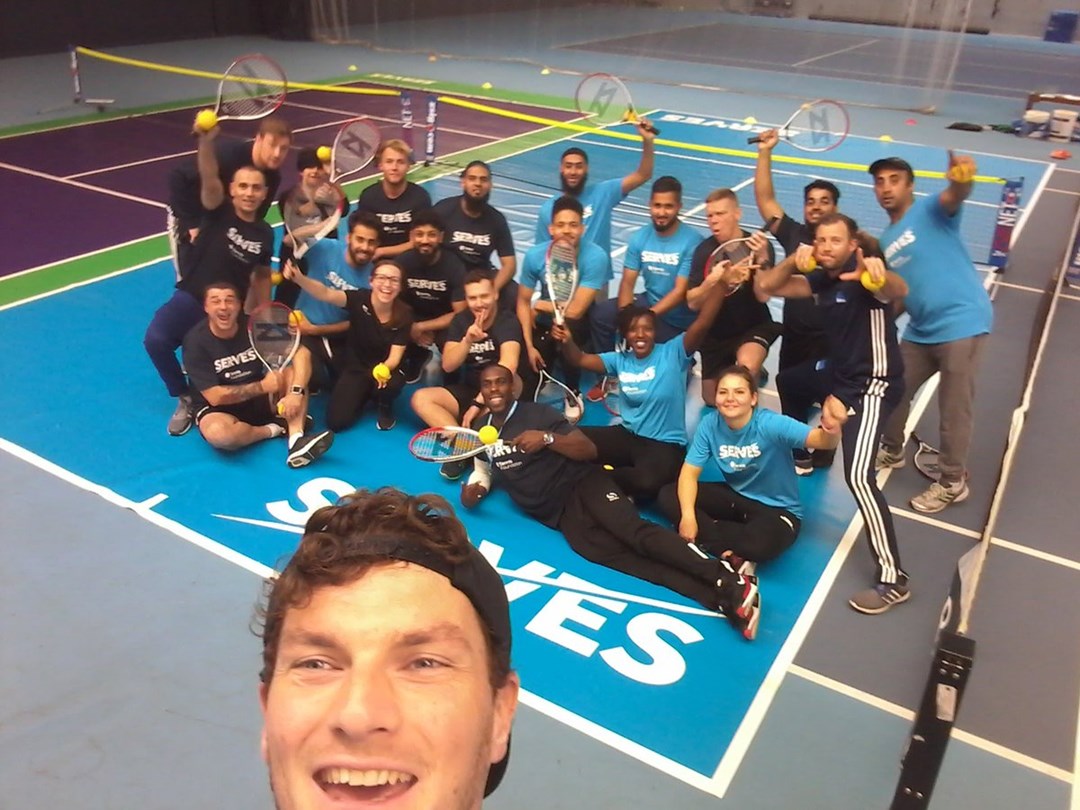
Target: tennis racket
[[451, 443], [560, 276], [736, 252], [252, 87], [273, 335], [927, 459], [604, 100], [309, 216], [551, 390], [355, 146], [816, 126], [613, 401]]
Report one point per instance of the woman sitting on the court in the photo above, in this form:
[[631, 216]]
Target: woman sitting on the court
[[379, 326], [647, 449], [754, 514]]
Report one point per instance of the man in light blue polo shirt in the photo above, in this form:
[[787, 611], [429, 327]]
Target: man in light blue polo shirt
[[597, 199], [324, 326], [950, 315], [537, 318]]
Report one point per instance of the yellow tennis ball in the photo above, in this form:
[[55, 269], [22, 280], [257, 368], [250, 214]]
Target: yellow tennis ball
[[352, 68], [280, 408], [545, 72], [886, 138], [206, 120], [608, 467], [811, 265], [962, 173], [749, 120], [486, 85], [276, 278], [381, 372], [489, 434], [296, 317], [323, 153], [868, 281]]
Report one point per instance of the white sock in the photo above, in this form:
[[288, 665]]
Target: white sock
[[275, 430], [294, 438]]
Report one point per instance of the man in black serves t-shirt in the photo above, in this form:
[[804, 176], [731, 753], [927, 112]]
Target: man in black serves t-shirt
[[394, 199], [543, 464], [237, 402], [434, 288], [475, 229], [478, 336], [185, 210], [233, 244]]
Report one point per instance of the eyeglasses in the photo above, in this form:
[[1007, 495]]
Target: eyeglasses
[[393, 281]]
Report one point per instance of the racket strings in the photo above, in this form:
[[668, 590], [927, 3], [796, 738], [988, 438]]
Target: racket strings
[[272, 337], [251, 87], [445, 444], [354, 148]]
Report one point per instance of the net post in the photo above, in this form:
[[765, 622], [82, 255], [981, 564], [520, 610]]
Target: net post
[[953, 660], [76, 81], [429, 139], [1005, 223], [407, 120]]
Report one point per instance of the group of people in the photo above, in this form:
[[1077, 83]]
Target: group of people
[[409, 279]]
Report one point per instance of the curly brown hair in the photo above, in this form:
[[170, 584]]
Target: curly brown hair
[[336, 550]]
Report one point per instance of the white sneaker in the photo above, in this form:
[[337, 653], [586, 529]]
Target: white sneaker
[[938, 496], [572, 410]]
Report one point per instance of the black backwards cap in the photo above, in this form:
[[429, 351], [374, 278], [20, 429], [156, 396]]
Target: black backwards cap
[[475, 577], [891, 163]]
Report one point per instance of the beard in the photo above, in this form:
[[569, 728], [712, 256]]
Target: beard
[[475, 204], [575, 191]]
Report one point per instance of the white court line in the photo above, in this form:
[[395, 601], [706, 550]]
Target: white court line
[[983, 744], [835, 53], [1063, 191], [1045, 556], [971, 534], [133, 163], [83, 283], [55, 179], [86, 255], [146, 513]]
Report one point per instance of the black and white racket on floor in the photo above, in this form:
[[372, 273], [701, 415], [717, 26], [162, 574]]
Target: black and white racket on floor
[[604, 100], [252, 87], [552, 390], [816, 126], [452, 443], [927, 458]]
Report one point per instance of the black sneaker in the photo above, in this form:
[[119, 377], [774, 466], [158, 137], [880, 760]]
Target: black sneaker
[[309, 423], [386, 420], [308, 448], [453, 470], [414, 369], [740, 599]]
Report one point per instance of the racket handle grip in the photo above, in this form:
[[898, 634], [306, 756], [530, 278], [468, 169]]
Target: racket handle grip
[[754, 139], [651, 129], [560, 319]]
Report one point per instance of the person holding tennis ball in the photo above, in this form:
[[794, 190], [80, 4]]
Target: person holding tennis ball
[[950, 314], [379, 326], [861, 381]]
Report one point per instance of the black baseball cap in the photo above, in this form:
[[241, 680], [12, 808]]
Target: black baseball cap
[[308, 159], [891, 163], [475, 577]]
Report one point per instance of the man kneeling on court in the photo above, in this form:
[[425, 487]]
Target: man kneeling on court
[[543, 463], [234, 396], [386, 675]]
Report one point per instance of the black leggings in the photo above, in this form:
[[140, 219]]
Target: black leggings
[[353, 390], [728, 521], [642, 466], [603, 526]]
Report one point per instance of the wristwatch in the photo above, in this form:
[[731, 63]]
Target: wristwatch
[[297, 389], [549, 438]]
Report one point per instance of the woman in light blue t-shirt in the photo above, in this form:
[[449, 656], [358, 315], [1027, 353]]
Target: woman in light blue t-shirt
[[646, 450], [754, 514]]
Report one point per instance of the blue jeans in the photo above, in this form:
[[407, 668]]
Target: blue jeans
[[165, 334]]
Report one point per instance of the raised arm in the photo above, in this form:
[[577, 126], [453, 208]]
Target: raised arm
[[316, 289], [211, 189], [644, 171], [960, 174], [764, 193]]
